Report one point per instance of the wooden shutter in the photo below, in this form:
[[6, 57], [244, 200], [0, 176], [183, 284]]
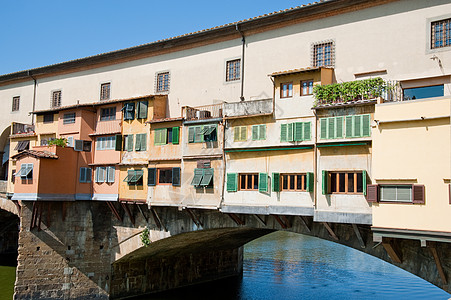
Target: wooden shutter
[[263, 182], [142, 109], [130, 142], [198, 174], [198, 137], [348, 126], [190, 134], [255, 131], [176, 176], [307, 131], [88, 174], [372, 193], [236, 133], [330, 128], [283, 132], [366, 126], [290, 134], [364, 182], [152, 177], [262, 133], [357, 126], [339, 127], [110, 173], [82, 175], [138, 142], [243, 133], [323, 130], [232, 182], [175, 135], [276, 182], [143, 142], [325, 175], [310, 182], [118, 146], [298, 131], [418, 193], [129, 111]]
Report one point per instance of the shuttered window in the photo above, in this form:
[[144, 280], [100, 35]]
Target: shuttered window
[[275, 182], [118, 143], [203, 133], [331, 128], [141, 142], [258, 132], [134, 177], [203, 177], [128, 143], [401, 193], [299, 131], [129, 111], [176, 180], [142, 110], [152, 177], [26, 171], [85, 175], [358, 126], [348, 126], [263, 182], [240, 133], [106, 143], [101, 175], [250, 182], [160, 136], [347, 182], [175, 135], [110, 172], [232, 182]]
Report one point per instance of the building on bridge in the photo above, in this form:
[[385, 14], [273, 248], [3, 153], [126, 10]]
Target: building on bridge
[[352, 125]]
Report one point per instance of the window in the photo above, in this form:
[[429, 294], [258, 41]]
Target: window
[[105, 143], [258, 132], [292, 182], [129, 111], [286, 90], [141, 108], [105, 91], [69, 118], [344, 182], [233, 70], [163, 82], [134, 177], [164, 176], [441, 34], [22, 145], [306, 87], [400, 193], [423, 92], [128, 142], [141, 142], [203, 177], [56, 99], [85, 175], [203, 133], [26, 171], [165, 136], [323, 54], [107, 114], [13, 176], [240, 133], [299, 131], [345, 126], [87, 146], [253, 182], [48, 118], [105, 174], [16, 103]]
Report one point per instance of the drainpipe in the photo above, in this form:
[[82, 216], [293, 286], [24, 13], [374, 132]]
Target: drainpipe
[[242, 61], [315, 163], [273, 97], [224, 161], [34, 96]]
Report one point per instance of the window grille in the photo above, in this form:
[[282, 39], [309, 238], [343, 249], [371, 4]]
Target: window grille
[[233, 70], [441, 34]]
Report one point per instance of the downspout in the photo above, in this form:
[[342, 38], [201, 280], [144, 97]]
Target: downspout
[[34, 96], [273, 97], [315, 163], [224, 162], [242, 61]]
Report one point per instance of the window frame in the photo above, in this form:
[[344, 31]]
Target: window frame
[[238, 133], [105, 91], [289, 91], [446, 34], [85, 175], [55, 100], [15, 103], [159, 170], [162, 82], [47, 121], [309, 90], [253, 176], [26, 171], [258, 132], [106, 143], [233, 70], [316, 62], [304, 183], [346, 184], [108, 114], [69, 118]]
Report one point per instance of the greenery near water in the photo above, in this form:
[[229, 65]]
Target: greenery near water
[[7, 278]]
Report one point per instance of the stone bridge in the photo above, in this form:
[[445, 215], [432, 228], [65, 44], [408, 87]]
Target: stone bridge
[[83, 250]]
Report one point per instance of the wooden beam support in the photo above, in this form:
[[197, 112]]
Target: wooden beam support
[[40, 216], [304, 222], [142, 213], [392, 250], [33, 215], [441, 272], [236, 219], [358, 235], [194, 217], [330, 230], [128, 211], [114, 210], [260, 220], [283, 221], [157, 219]]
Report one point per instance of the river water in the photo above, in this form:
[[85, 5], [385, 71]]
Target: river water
[[285, 265]]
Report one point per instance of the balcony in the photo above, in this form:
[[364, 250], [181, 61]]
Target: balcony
[[203, 112], [248, 108], [19, 128], [357, 91]]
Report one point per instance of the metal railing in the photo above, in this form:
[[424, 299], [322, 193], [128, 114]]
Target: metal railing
[[19, 128]]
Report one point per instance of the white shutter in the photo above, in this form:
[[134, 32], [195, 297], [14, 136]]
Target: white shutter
[[110, 174], [70, 141]]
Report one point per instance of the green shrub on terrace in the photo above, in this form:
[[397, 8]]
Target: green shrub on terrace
[[62, 142]]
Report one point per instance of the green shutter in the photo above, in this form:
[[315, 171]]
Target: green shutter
[[298, 131], [144, 142], [290, 132], [190, 134], [176, 176], [152, 177], [349, 125], [130, 142], [339, 127], [255, 130], [324, 183], [129, 111], [357, 126], [364, 181], [138, 142], [232, 182], [175, 135], [118, 146], [330, 128], [366, 127], [160, 136], [263, 182], [198, 137], [310, 182], [243, 133], [142, 110], [283, 132], [207, 177], [307, 131], [198, 174], [236, 133], [276, 182], [323, 125], [262, 134]]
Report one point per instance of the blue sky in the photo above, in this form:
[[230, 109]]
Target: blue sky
[[36, 33]]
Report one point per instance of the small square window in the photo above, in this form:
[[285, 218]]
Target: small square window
[[165, 176], [105, 91], [306, 87], [233, 70], [16, 103], [163, 82], [286, 90], [48, 118], [69, 118], [56, 99], [441, 34], [108, 114], [323, 54]]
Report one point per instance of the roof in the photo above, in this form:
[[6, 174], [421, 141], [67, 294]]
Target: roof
[[165, 120], [91, 104], [298, 13], [300, 70], [37, 154]]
